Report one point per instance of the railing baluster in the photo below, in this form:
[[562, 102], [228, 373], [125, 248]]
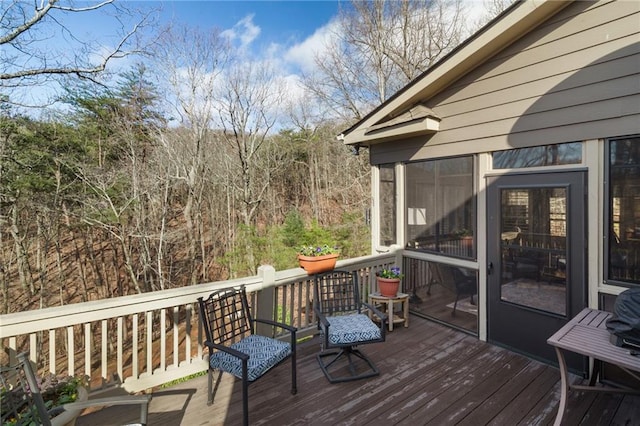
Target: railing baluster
[[71, 368], [103, 353], [13, 350], [135, 373], [52, 351], [163, 339], [176, 317], [291, 308], [200, 338], [149, 349], [119, 355], [187, 337], [87, 349], [33, 346], [308, 302], [298, 319]]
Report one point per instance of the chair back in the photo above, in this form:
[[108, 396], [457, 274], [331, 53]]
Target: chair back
[[453, 278], [441, 274], [337, 293], [225, 315], [21, 397]]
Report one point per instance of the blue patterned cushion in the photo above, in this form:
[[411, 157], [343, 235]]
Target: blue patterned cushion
[[354, 328], [264, 353]]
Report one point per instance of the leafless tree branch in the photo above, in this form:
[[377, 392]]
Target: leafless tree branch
[[30, 33]]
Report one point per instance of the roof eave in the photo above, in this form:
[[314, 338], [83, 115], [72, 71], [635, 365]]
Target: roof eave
[[421, 127], [492, 38]]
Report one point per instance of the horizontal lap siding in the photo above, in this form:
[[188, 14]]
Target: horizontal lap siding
[[575, 77]]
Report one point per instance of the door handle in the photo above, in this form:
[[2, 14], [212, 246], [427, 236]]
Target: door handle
[[489, 268]]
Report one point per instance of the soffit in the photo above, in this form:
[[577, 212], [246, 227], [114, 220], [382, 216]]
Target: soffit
[[417, 121]]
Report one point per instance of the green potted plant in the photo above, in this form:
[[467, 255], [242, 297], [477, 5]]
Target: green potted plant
[[56, 391], [389, 281], [316, 259]]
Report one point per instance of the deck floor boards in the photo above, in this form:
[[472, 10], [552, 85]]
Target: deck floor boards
[[430, 375]]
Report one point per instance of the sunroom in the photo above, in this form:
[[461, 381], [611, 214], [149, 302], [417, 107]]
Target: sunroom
[[509, 173]]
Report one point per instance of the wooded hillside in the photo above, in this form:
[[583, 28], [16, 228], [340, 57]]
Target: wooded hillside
[[109, 205], [197, 163]]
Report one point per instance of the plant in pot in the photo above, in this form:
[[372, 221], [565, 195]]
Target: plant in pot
[[56, 391], [465, 236], [389, 281], [316, 259]]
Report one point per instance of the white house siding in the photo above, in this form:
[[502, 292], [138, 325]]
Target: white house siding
[[573, 78]]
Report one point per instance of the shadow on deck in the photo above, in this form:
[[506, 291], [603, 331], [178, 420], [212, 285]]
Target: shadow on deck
[[430, 374]]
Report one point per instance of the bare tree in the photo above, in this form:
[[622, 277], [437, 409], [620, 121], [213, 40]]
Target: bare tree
[[421, 33], [378, 47], [248, 111], [38, 44], [248, 105], [492, 8], [190, 62]]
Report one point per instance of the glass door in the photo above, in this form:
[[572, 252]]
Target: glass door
[[537, 252]]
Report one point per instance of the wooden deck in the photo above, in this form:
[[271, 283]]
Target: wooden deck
[[430, 374]]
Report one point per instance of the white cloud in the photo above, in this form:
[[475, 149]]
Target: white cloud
[[244, 30], [302, 54]]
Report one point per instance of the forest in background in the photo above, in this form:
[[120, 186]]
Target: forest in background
[[193, 165], [112, 203]]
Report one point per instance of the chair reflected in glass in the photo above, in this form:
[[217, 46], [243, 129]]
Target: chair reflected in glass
[[343, 327], [458, 280], [235, 348]]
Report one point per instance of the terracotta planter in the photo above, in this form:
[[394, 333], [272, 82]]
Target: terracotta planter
[[467, 241], [388, 287], [317, 264]]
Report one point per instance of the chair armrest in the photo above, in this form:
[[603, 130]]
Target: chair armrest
[[142, 400], [321, 318], [383, 317], [291, 328], [112, 400], [226, 349]]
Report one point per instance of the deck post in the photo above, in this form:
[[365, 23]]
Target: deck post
[[265, 299]]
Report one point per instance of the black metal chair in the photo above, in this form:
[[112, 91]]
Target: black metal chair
[[235, 348], [455, 279], [344, 326], [23, 403], [466, 285]]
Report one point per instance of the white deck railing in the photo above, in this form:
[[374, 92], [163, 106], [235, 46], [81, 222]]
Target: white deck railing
[[149, 339]]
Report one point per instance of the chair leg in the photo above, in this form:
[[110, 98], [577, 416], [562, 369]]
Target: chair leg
[[294, 381], [210, 386], [245, 401], [347, 352]]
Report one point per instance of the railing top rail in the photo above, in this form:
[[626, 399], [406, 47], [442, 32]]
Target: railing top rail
[[78, 313], [21, 323]]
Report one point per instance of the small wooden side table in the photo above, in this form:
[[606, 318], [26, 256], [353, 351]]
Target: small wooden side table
[[377, 298]]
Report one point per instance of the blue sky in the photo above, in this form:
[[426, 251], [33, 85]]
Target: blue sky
[[290, 33], [288, 30], [282, 22]]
